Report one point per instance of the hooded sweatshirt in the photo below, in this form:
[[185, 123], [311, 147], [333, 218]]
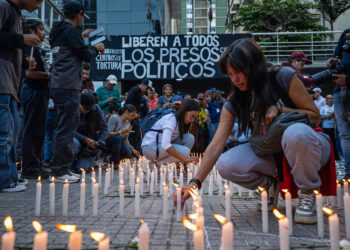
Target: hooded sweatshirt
[[69, 51]]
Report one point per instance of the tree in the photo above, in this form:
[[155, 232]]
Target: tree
[[332, 9], [276, 15]]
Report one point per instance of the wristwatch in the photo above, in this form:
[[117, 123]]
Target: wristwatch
[[197, 182]]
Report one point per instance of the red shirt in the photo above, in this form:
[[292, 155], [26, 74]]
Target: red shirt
[[153, 103]]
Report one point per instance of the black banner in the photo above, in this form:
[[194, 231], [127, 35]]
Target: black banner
[[162, 57]]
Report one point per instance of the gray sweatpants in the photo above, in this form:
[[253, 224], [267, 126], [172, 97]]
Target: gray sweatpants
[[305, 150], [183, 146]]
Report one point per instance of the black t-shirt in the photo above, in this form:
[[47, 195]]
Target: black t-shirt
[[135, 97], [40, 66]]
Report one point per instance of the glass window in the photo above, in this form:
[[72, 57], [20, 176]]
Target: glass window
[[47, 14], [55, 16]]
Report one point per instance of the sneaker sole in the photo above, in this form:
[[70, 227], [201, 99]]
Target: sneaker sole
[[305, 220], [59, 180]]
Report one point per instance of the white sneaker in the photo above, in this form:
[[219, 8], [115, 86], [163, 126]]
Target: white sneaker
[[74, 174], [70, 178], [13, 188]]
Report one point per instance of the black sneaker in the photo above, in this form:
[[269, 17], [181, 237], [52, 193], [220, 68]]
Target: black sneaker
[[272, 194], [44, 175], [306, 210], [22, 181], [13, 188]]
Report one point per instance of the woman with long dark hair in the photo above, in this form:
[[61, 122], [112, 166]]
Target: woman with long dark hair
[[174, 141], [119, 128], [255, 101]]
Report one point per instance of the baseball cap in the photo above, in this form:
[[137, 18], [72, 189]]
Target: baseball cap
[[176, 99], [112, 79], [200, 96], [301, 56], [73, 7], [88, 101], [148, 83], [213, 90], [317, 90]]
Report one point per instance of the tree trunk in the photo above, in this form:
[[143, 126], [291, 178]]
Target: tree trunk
[[332, 29]]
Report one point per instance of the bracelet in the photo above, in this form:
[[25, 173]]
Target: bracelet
[[197, 182]]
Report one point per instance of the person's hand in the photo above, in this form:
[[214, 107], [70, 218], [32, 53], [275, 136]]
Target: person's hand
[[31, 39], [32, 64], [191, 160], [100, 47], [135, 152], [86, 33], [110, 99], [328, 63], [167, 106], [90, 142], [185, 194], [340, 79], [271, 113]]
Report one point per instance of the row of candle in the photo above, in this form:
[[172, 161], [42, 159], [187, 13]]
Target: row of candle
[[75, 238]]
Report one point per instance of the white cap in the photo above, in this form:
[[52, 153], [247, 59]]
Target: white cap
[[317, 90], [112, 79]]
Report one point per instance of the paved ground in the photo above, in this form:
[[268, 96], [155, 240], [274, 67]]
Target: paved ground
[[164, 234]]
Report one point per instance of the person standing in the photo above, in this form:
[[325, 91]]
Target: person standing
[[12, 42], [165, 100], [319, 100], [34, 99], [86, 82], [109, 95], [69, 52], [151, 100]]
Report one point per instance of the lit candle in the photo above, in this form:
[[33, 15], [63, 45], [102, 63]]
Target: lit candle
[[240, 191], [161, 187], [211, 184], [40, 239], [198, 235], [112, 174], [346, 186], [144, 237], [121, 198], [320, 223], [141, 181], [132, 182], [347, 214], [226, 232], [82, 197], [38, 197], [283, 229], [333, 222], [178, 203], [95, 199], [65, 198], [105, 190], [103, 243], [339, 203], [83, 173], [264, 210], [99, 175], [137, 198], [181, 178], [75, 237], [227, 203], [152, 183], [289, 212], [165, 201], [8, 238], [200, 221], [170, 180], [52, 196]]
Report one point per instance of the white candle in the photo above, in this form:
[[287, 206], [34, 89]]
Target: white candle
[[284, 233], [198, 240], [264, 210], [8, 238], [227, 236], [161, 182], [82, 197], [105, 190], [83, 173], [240, 191], [40, 239], [65, 198], [171, 181], [75, 240], [339, 203], [152, 183], [155, 177], [104, 244], [289, 212], [100, 175], [220, 184], [52, 197], [141, 181], [227, 203], [347, 214], [333, 222], [95, 200], [346, 186], [121, 198], [132, 182], [320, 222], [93, 180], [178, 204], [38, 197], [144, 237], [148, 176], [165, 202], [200, 221], [181, 178], [137, 199], [211, 184]]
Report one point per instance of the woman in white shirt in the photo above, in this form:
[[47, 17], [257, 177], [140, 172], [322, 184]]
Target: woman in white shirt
[[174, 142]]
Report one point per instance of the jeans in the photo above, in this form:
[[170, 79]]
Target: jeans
[[305, 150], [34, 103], [20, 134], [213, 126], [82, 161], [49, 129], [118, 149], [67, 104], [8, 140], [344, 130], [183, 146]]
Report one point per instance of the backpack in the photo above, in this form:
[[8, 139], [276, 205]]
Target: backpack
[[150, 119]]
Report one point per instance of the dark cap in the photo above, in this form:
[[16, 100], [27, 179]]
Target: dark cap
[[88, 101], [73, 7], [300, 56], [148, 83], [177, 99], [213, 90]]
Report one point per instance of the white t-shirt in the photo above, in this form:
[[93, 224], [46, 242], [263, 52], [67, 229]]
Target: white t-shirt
[[320, 102], [168, 124], [326, 110]]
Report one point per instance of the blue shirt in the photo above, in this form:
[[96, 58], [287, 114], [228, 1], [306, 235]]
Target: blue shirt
[[214, 108], [162, 100]]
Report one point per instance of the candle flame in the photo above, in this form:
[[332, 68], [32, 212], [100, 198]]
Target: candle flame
[[137, 180], [187, 224], [8, 223], [193, 216], [316, 192], [97, 236], [220, 218], [66, 181], [82, 180], [285, 191], [93, 169], [142, 221], [348, 180], [93, 179], [39, 178], [66, 227], [52, 179], [278, 214], [226, 187], [175, 184], [82, 170], [37, 226], [337, 182], [327, 210], [122, 182], [164, 184], [261, 189]]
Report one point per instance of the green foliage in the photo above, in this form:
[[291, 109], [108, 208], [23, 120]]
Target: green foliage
[[276, 15], [332, 9]]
